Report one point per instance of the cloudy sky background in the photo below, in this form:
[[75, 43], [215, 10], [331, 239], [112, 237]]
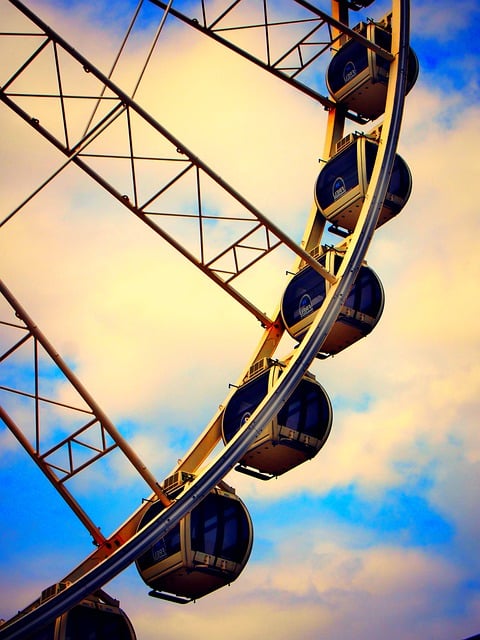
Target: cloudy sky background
[[378, 535]]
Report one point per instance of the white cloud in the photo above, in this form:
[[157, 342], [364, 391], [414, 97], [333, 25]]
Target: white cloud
[[156, 343], [445, 21], [322, 588]]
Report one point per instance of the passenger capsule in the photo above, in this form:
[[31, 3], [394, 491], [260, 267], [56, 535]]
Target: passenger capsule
[[296, 434], [206, 550], [357, 77], [343, 182], [306, 292], [89, 619]]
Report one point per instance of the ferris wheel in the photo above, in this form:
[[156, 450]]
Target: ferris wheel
[[194, 534]]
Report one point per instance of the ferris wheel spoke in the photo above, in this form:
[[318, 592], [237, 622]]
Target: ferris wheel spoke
[[313, 32], [173, 166], [89, 434]]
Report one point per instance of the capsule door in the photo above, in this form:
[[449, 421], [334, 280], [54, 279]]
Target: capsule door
[[166, 556]]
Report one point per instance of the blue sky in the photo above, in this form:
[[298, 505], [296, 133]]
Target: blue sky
[[378, 535]]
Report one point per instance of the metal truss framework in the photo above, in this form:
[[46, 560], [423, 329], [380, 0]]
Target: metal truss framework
[[152, 169], [96, 570], [91, 434], [312, 34], [92, 440]]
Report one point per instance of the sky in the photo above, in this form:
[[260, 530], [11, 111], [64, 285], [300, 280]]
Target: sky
[[377, 536]]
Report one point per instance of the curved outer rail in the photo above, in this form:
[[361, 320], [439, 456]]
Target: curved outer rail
[[305, 354]]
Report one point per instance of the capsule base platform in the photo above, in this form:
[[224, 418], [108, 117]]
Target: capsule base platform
[[347, 218], [365, 98], [272, 458], [189, 584]]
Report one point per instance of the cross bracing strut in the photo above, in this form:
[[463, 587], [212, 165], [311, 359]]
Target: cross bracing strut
[[318, 34], [251, 235], [91, 434]]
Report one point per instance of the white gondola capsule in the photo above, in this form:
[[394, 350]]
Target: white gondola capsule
[[306, 292], [295, 435], [357, 77], [89, 619], [206, 550], [343, 182]]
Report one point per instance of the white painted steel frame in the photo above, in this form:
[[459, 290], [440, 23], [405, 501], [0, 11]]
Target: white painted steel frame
[[293, 373]]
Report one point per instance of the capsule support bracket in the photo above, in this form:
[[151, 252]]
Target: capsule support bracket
[[161, 595], [248, 471]]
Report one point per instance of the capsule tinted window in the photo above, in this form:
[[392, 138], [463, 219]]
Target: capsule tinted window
[[337, 177], [366, 294], [400, 181], [236, 534], [205, 526], [96, 624], [383, 39], [307, 410], [371, 150], [242, 404], [219, 527]]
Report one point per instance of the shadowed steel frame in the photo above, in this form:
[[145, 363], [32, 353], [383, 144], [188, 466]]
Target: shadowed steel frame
[[90, 575]]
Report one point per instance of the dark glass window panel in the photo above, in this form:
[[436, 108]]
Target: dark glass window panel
[[233, 534], [243, 403], [84, 623], [366, 295], [384, 40], [371, 149], [307, 411], [219, 527], [208, 527], [204, 526], [337, 177], [400, 180]]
